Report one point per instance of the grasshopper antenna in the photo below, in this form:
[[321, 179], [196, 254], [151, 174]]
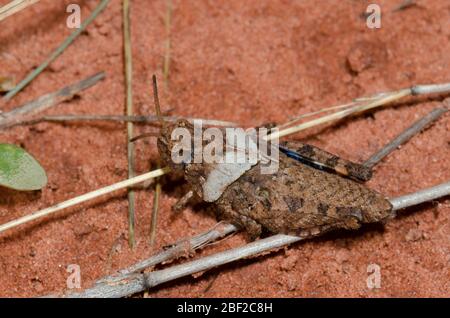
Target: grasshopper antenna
[[144, 135], [156, 101], [158, 113]]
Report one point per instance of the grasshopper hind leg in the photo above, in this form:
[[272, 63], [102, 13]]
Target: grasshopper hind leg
[[324, 160]]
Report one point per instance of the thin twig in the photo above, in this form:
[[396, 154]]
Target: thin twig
[[183, 247], [33, 74], [340, 114], [430, 89], [355, 103], [120, 118], [85, 197], [155, 209], [14, 7], [323, 110], [404, 5], [19, 114], [361, 106], [405, 136], [130, 282], [168, 23], [421, 196], [129, 111]]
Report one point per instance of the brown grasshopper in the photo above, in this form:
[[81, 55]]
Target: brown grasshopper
[[311, 193]]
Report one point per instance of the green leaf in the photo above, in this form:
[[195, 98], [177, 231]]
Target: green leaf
[[19, 170]]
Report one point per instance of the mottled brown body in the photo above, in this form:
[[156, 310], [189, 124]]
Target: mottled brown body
[[297, 199], [300, 200]]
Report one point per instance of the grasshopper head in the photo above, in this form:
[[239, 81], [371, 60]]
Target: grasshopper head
[[175, 144]]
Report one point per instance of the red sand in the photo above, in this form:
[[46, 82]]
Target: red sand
[[251, 62]]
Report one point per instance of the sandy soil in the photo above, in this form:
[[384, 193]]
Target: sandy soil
[[246, 61]]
